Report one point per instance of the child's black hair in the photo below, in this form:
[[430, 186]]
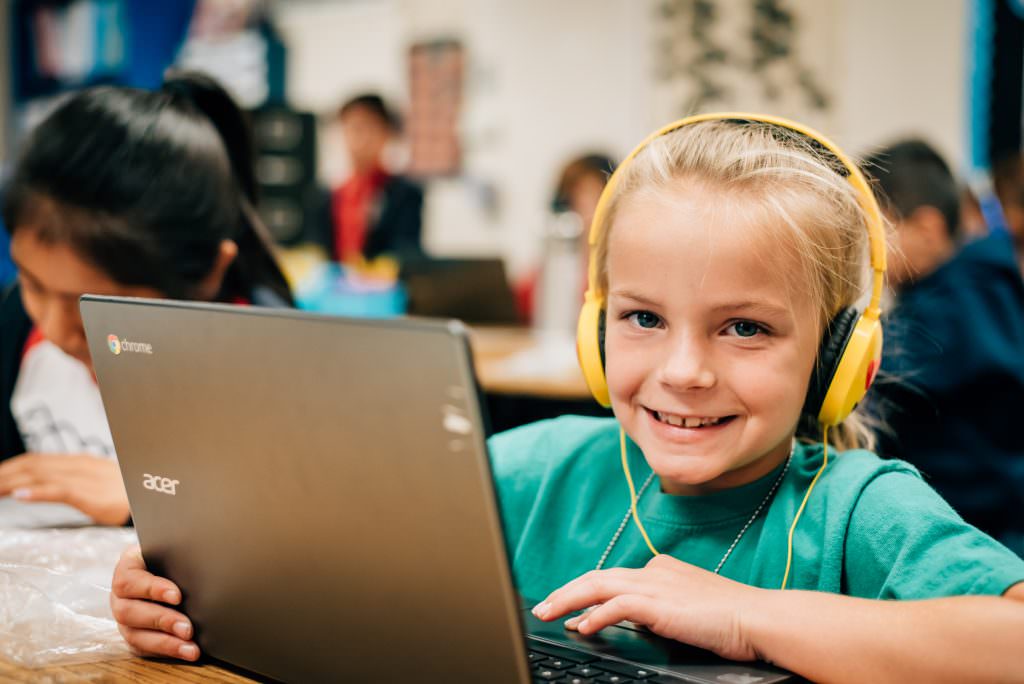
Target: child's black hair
[[910, 175], [375, 105], [146, 186]]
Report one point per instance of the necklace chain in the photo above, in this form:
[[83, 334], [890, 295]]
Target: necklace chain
[[728, 552]]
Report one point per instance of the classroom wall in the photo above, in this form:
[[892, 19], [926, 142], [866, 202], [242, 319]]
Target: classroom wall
[[904, 75], [549, 79]]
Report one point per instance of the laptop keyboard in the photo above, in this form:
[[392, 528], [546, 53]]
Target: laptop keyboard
[[551, 663]]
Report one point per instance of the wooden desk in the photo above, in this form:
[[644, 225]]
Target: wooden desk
[[125, 670], [518, 361]]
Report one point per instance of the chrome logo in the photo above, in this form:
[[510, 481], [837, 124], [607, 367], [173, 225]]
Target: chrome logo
[[114, 344]]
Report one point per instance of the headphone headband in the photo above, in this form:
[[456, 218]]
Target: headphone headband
[[865, 197]]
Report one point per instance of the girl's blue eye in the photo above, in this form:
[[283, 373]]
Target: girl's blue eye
[[745, 328], [645, 319]]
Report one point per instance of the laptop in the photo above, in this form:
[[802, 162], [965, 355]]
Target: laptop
[[476, 291], [320, 490]]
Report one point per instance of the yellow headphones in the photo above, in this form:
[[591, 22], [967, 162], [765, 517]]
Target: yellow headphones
[[851, 347]]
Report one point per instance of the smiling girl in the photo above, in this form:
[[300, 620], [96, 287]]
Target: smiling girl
[[725, 251]]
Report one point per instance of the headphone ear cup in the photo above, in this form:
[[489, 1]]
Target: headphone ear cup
[[855, 371], [833, 344], [590, 348]]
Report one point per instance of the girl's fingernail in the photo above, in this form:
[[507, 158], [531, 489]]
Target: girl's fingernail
[[22, 493], [582, 625], [188, 651], [572, 622], [541, 609], [182, 629], [171, 596]]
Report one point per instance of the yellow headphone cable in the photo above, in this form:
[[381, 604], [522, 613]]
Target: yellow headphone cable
[[792, 528]]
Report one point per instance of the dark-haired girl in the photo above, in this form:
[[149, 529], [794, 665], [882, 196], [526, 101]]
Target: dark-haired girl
[[117, 192]]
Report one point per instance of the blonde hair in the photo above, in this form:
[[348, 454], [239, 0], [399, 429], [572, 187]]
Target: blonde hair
[[812, 210]]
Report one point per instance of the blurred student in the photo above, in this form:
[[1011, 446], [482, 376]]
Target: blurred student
[[579, 187], [375, 211], [955, 352], [117, 192], [1008, 179]]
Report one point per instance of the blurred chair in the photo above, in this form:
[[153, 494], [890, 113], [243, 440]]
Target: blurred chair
[[285, 142]]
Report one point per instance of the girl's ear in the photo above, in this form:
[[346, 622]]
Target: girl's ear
[[211, 284]]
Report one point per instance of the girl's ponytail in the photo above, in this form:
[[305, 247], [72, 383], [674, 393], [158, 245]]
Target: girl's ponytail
[[255, 266]]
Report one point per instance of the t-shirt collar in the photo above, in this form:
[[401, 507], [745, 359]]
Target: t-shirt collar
[[704, 509]]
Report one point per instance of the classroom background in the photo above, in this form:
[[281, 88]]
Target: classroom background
[[501, 108], [489, 127], [498, 95]]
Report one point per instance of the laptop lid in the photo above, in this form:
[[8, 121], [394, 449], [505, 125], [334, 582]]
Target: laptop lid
[[318, 487], [473, 290]]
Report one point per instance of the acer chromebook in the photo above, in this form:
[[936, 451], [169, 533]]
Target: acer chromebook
[[320, 490]]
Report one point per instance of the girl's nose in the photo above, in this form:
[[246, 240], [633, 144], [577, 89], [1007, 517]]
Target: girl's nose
[[687, 365]]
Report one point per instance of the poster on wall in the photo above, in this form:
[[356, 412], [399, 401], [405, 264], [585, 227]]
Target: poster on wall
[[435, 94], [715, 54]]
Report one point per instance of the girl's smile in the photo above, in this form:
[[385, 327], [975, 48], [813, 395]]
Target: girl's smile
[[689, 421], [709, 343], [688, 428]]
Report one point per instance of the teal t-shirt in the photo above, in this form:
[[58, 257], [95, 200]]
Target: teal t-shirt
[[872, 528]]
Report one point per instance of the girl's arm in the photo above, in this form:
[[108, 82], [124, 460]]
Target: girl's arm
[[823, 637], [827, 637]]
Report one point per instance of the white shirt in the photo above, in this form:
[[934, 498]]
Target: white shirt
[[58, 410]]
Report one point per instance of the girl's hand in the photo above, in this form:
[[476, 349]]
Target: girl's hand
[[91, 484], [151, 629], [671, 598]]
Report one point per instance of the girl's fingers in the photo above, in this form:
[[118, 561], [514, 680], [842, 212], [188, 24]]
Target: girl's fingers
[[133, 581], [597, 586], [149, 628], [14, 482], [152, 643], [633, 607], [41, 491], [148, 615], [32, 466], [575, 620], [14, 465]]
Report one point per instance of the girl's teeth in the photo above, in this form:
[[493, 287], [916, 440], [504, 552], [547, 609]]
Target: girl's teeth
[[689, 422]]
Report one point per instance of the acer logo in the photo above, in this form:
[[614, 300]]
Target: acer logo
[[164, 485]]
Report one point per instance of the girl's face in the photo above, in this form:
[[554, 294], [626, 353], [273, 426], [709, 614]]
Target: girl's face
[[708, 351], [52, 278]]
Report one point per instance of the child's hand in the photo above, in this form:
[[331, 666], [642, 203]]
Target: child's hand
[[90, 483], [149, 628], [671, 598]]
